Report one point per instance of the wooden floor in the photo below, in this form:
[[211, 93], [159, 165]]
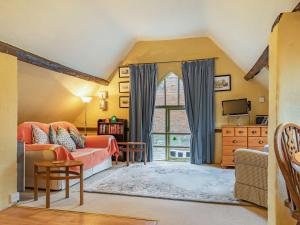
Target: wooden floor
[[37, 216]]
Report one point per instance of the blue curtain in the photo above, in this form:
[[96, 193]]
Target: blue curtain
[[143, 79], [198, 82]]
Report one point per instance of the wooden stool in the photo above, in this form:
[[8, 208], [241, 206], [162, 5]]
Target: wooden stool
[[133, 147], [49, 175]]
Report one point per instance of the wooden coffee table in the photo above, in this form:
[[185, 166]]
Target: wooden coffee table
[[51, 172], [133, 147]]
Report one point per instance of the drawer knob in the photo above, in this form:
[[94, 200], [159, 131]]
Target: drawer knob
[[260, 142], [253, 132], [240, 132], [234, 141], [227, 132]]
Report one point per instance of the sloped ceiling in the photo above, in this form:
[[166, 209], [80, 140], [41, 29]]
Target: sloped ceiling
[[94, 36]]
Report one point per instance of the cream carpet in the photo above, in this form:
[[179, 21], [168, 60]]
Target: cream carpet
[[168, 180], [168, 212]]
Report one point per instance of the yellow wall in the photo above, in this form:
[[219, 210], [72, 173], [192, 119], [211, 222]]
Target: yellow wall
[[8, 128], [284, 103], [183, 49], [47, 96]]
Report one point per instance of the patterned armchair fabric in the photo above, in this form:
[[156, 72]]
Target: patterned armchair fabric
[[251, 172]]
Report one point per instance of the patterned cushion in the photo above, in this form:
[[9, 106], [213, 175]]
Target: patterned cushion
[[77, 138], [39, 136], [52, 135], [64, 139]]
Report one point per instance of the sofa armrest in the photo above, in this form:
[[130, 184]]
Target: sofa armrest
[[103, 141], [98, 141], [40, 147], [251, 157], [60, 152]]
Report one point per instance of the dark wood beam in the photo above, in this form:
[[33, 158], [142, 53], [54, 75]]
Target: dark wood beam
[[263, 60], [31, 58], [260, 63]]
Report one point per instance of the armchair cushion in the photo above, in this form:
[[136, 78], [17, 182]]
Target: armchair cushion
[[251, 157], [251, 173]]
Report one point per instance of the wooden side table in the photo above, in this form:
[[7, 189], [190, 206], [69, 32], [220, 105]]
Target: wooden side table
[[52, 168], [132, 147]]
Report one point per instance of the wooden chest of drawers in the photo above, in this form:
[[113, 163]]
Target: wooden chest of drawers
[[234, 137]]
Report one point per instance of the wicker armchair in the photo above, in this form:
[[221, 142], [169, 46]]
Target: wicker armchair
[[251, 172]]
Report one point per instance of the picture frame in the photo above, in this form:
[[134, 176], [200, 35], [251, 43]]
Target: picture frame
[[222, 83], [124, 101], [124, 72], [124, 87]]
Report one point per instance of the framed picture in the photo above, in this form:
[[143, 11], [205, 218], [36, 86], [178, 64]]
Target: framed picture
[[124, 72], [222, 83], [124, 87], [124, 101]]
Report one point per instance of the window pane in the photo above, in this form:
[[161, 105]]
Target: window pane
[[180, 140], [160, 94], [159, 121], [179, 154], [181, 93], [159, 153], [158, 140], [179, 122], [172, 90]]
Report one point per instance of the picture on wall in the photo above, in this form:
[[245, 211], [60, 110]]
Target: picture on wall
[[124, 72], [124, 87], [124, 101], [222, 83]]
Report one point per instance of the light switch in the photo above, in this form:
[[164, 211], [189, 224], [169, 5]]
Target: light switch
[[261, 99]]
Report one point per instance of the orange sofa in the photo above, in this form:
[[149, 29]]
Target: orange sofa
[[96, 155]]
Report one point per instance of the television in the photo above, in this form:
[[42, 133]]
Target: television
[[235, 107]]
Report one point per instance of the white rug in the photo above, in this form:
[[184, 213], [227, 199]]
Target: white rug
[[168, 180]]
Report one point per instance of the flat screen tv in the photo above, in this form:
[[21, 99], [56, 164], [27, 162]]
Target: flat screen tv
[[235, 107]]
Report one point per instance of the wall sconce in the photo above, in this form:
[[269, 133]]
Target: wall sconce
[[102, 96]]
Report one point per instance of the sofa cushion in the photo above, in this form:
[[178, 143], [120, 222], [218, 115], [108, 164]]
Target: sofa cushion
[[77, 138], [64, 139], [39, 136], [52, 135]]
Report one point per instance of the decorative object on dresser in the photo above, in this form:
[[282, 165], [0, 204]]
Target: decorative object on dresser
[[235, 137]]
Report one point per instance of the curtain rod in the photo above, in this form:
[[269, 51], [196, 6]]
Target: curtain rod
[[172, 61]]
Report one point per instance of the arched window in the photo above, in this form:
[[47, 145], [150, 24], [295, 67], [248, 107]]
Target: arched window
[[170, 133]]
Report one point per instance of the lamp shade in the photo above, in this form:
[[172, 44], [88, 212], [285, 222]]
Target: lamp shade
[[86, 99]]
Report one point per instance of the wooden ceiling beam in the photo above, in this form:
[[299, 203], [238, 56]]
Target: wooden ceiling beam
[[263, 60], [31, 58]]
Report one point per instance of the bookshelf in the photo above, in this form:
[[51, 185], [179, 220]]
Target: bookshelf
[[117, 129]]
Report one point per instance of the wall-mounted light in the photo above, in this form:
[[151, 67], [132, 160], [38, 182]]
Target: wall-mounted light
[[102, 95]]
